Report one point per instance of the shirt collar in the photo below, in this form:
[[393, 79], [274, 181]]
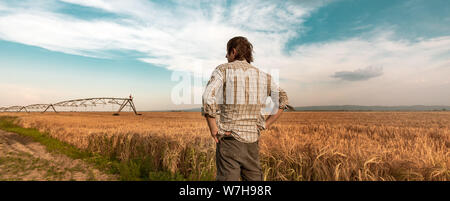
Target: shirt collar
[[240, 61]]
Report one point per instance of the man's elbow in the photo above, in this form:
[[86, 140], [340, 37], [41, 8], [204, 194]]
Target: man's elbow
[[208, 110]]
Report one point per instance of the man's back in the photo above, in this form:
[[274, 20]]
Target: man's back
[[238, 91], [232, 105]]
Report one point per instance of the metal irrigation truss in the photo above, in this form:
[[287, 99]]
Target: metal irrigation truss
[[84, 102]]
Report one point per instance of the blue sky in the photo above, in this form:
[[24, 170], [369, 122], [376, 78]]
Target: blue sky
[[361, 52]]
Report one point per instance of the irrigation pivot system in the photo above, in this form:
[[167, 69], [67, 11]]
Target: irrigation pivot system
[[84, 102]]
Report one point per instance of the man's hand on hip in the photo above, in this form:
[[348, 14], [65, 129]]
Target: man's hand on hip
[[212, 127], [214, 134]]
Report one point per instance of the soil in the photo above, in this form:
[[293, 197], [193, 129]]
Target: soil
[[23, 159]]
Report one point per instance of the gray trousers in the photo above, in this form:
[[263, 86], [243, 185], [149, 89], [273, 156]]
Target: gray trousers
[[236, 160]]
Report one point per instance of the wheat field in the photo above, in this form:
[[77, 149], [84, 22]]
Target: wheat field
[[301, 146]]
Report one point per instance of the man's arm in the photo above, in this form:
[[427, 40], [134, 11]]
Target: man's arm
[[272, 118], [212, 127], [278, 96], [209, 101]]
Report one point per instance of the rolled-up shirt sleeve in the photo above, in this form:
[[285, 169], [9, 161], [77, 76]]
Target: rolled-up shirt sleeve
[[209, 98]]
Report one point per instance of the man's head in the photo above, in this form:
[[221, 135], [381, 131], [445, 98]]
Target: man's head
[[238, 48]]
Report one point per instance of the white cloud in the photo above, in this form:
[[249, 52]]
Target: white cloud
[[316, 62], [175, 38], [190, 35], [16, 94], [413, 72]]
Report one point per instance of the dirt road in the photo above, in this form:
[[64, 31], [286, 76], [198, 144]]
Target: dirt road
[[23, 159]]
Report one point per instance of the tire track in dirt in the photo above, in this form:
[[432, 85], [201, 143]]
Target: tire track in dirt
[[21, 158]]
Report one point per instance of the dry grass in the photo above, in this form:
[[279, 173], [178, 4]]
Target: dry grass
[[300, 146]]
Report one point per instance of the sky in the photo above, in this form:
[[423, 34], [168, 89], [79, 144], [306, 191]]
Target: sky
[[331, 52]]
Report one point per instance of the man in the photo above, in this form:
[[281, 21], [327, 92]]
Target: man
[[238, 92]]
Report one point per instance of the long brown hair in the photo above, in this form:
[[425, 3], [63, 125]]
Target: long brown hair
[[244, 49]]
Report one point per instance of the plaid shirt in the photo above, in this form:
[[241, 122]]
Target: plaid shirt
[[237, 94]]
